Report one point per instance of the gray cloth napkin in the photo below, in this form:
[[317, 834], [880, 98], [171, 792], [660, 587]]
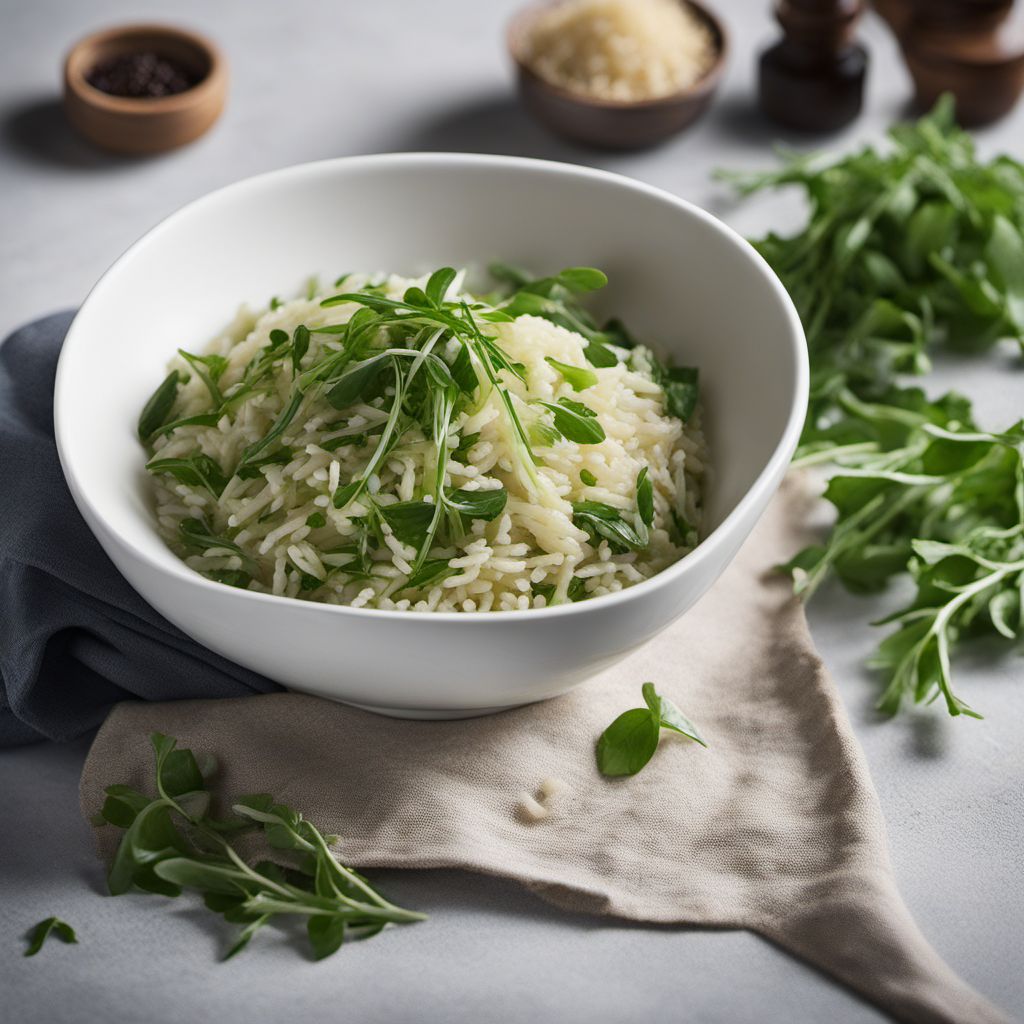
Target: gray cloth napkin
[[775, 828], [74, 637]]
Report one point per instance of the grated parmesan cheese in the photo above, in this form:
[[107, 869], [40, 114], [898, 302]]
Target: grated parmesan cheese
[[625, 50]]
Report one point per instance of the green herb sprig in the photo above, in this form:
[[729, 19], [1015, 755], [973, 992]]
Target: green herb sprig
[[171, 842], [627, 745], [906, 250]]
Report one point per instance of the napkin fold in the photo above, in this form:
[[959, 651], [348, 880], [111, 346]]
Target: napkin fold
[[775, 827], [75, 638]]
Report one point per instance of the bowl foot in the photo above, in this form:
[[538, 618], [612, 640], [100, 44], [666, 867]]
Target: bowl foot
[[431, 714]]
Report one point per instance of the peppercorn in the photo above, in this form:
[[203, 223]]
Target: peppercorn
[[141, 76]]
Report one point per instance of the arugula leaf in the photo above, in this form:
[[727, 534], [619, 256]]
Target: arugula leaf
[[156, 410], [200, 420], [431, 572], [575, 421], [576, 591], [300, 346], [577, 377], [196, 533], [438, 285], [486, 505], [645, 497], [604, 521], [409, 520], [44, 929], [209, 369], [197, 470], [463, 373], [582, 279], [287, 414], [600, 355], [252, 469], [669, 715], [357, 381], [629, 743], [466, 442]]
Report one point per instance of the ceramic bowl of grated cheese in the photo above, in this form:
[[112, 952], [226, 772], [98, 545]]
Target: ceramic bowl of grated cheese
[[415, 481], [619, 74]]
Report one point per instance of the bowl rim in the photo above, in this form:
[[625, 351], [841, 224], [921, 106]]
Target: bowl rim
[[176, 569], [705, 84], [211, 84]]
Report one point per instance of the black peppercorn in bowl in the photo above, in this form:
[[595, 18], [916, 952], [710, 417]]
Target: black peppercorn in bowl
[[144, 88]]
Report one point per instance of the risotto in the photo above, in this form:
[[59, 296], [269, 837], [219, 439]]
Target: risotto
[[402, 444]]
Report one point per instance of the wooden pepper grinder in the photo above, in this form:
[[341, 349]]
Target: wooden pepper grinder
[[973, 49], [813, 78]]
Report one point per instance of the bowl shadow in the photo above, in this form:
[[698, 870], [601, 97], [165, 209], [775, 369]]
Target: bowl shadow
[[495, 124]]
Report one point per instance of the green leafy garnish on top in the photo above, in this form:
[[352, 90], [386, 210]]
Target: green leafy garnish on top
[[396, 383]]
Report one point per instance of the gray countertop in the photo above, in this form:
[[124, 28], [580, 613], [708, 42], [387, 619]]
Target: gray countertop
[[313, 80]]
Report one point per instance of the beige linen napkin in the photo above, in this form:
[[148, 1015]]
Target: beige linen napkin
[[775, 828]]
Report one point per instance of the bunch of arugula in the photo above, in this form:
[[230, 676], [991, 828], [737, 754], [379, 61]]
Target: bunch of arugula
[[172, 841], [397, 353], [916, 247]]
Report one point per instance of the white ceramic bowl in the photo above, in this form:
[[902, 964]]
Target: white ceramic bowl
[[677, 276]]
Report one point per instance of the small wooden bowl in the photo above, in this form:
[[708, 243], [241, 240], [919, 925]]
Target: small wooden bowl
[[615, 124], [140, 125]]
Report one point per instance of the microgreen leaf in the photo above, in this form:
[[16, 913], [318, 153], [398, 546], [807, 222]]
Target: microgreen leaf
[[582, 279], [486, 505], [326, 934], [197, 470], [629, 743], [645, 497], [604, 521], [430, 573], [252, 470], [466, 442], [669, 715], [156, 410], [356, 382], [463, 372], [42, 931], [577, 377], [438, 285], [575, 421], [197, 534], [409, 520], [300, 345], [600, 355], [209, 370]]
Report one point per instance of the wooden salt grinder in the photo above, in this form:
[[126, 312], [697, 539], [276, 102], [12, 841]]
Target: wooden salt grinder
[[813, 78]]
